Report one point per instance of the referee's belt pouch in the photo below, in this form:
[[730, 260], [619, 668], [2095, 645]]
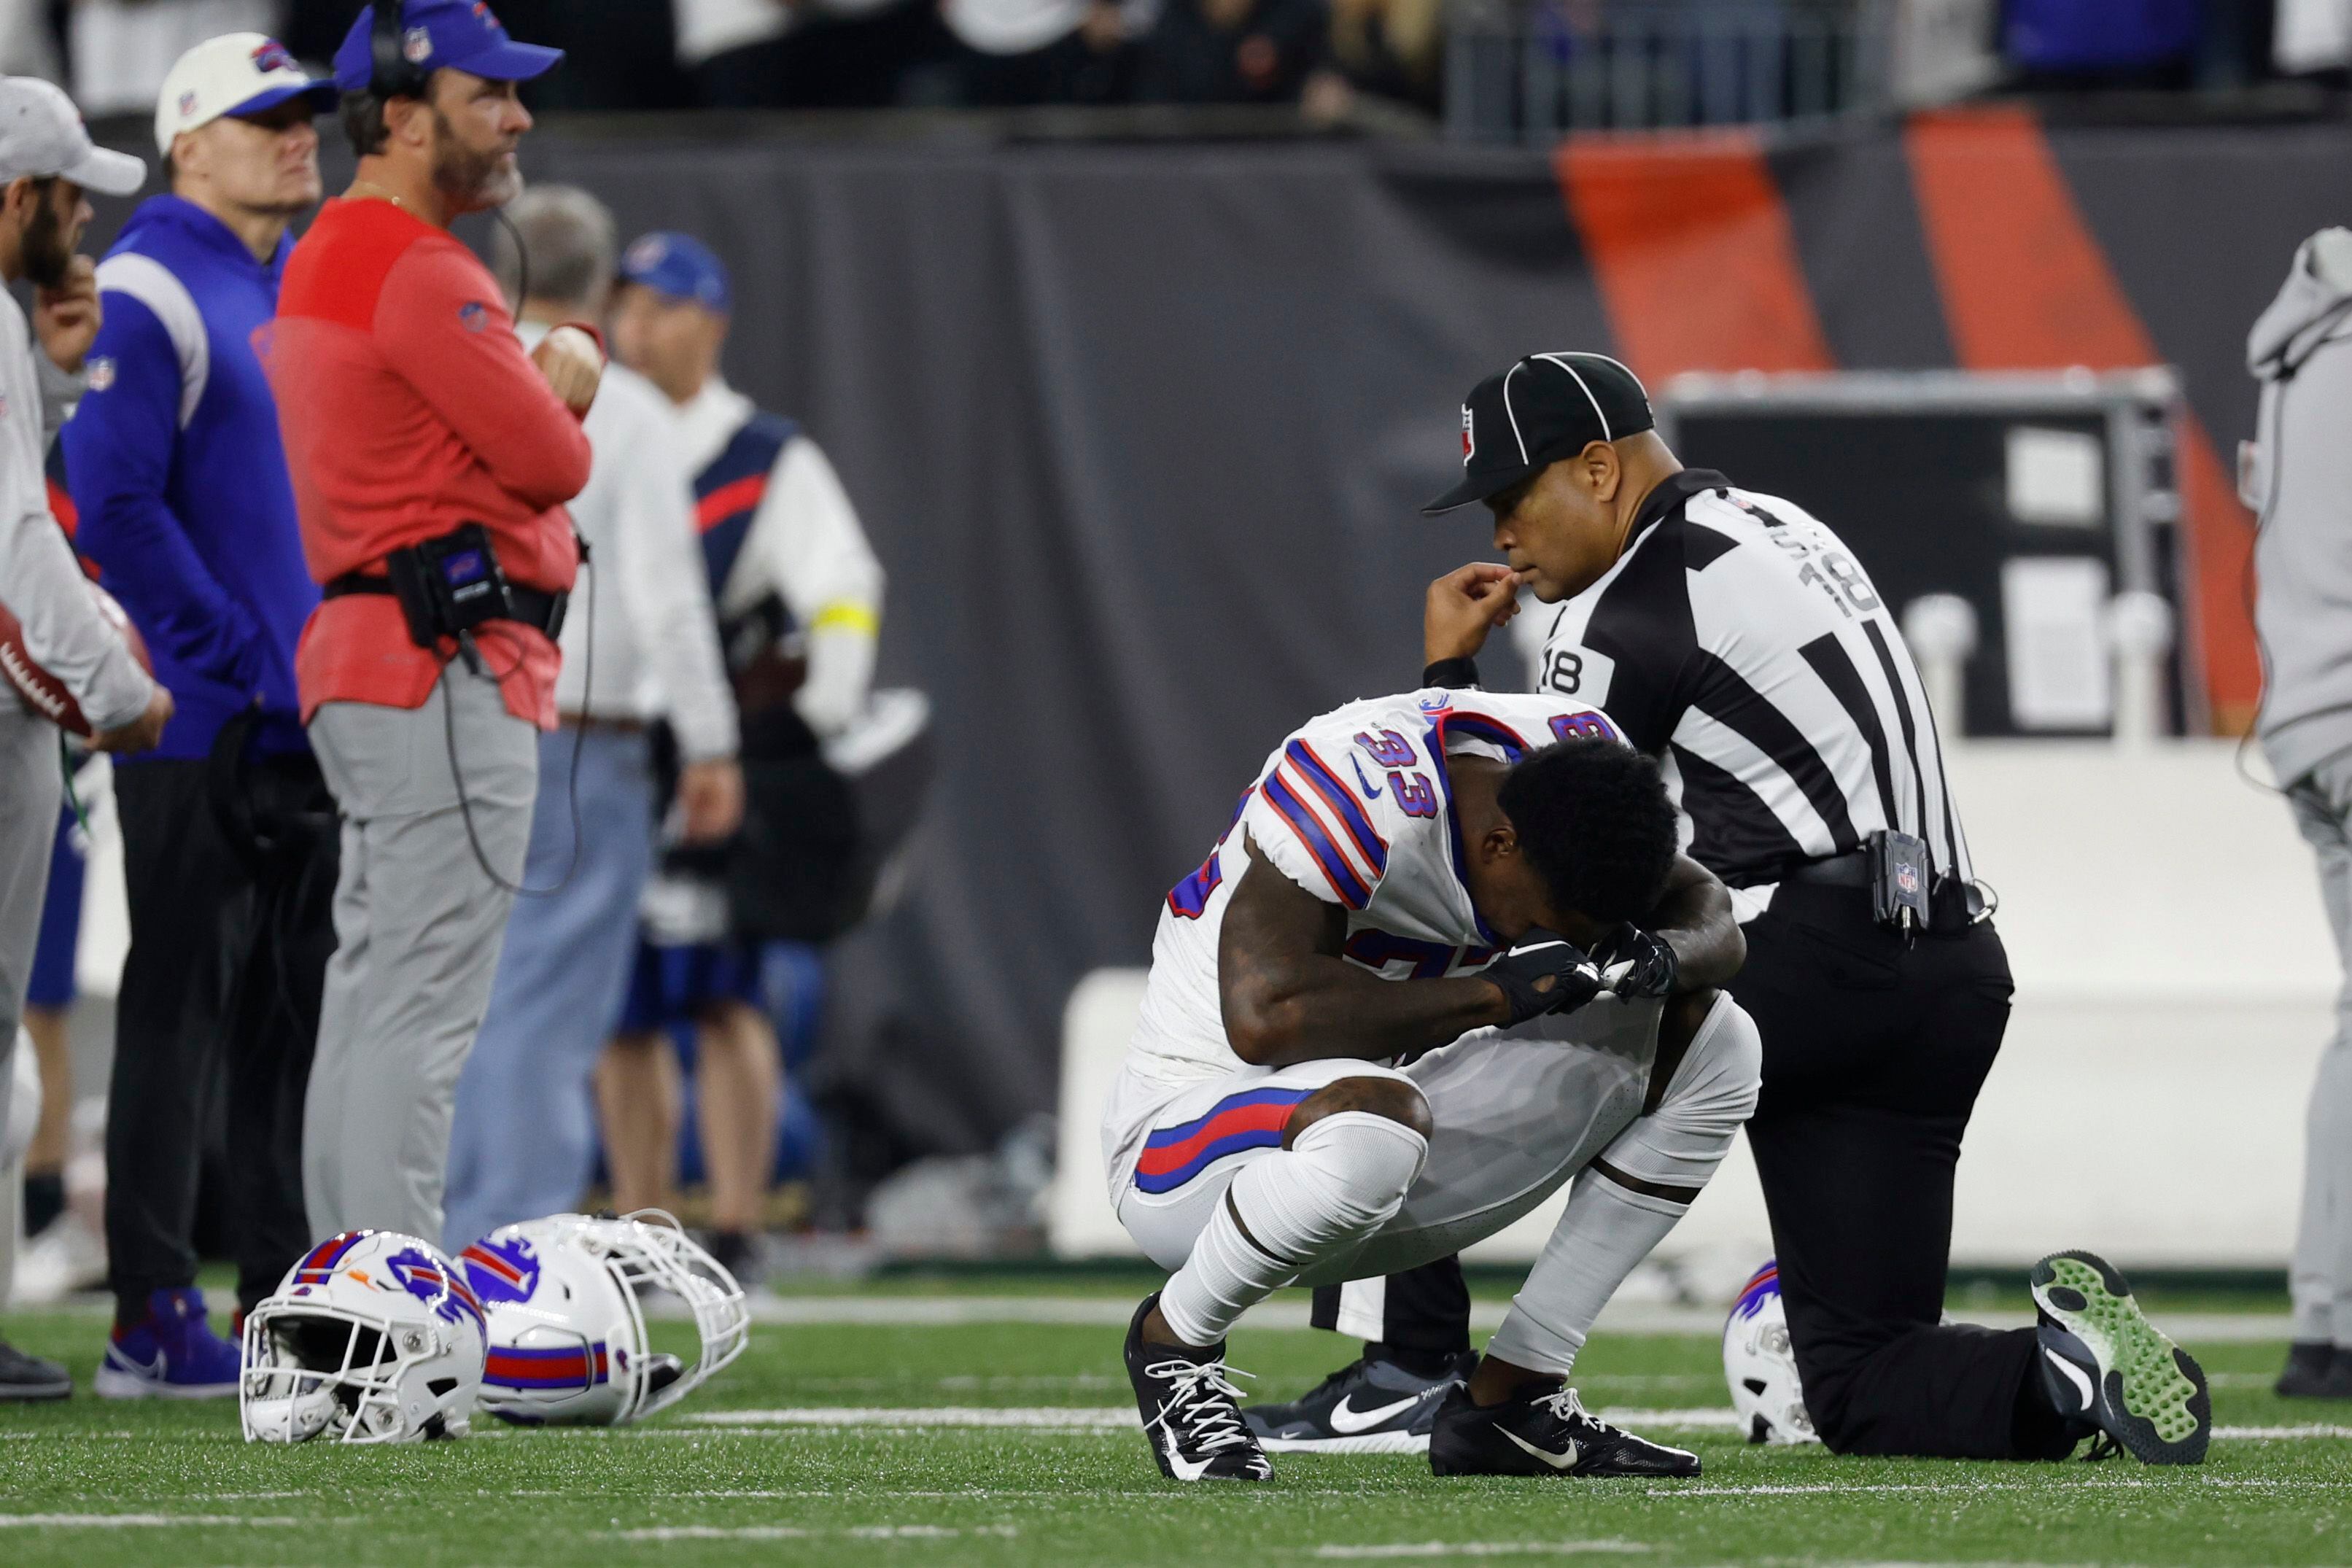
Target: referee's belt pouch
[[449, 586], [1900, 881]]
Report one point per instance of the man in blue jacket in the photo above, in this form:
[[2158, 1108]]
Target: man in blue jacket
[[175, 463]]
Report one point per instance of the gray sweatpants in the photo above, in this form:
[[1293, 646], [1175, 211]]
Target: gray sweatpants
[[2322, 1276], [419, 927], [30, 786]]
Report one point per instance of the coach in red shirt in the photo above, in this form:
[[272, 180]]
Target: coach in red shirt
[[411, 411]]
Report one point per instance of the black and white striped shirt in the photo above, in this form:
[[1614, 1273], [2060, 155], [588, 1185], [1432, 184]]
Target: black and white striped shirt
[[1738, 641]]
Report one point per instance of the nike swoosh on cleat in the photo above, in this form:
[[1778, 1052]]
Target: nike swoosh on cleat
[[1557, 1461], [155, 1369], [1349, 1421], [1184, 1470], [2074, 1375]]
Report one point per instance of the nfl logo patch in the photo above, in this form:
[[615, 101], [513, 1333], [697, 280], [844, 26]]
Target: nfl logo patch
[[418, 46], [474, 314], [1469, 445], [187, 103], [101, 374], [1907, 879]]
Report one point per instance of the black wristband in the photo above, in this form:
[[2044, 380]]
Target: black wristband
[[1453, 673]]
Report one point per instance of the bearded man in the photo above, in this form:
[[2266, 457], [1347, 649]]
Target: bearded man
[[431, 458]]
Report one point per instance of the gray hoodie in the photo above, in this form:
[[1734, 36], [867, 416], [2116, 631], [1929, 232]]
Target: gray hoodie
[[2300, 484]]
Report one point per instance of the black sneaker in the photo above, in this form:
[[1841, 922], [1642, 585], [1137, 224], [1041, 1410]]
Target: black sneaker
[[24, 1378], [1191, 1415], [2315, 1369], [2103, 1362], [1366, 1407], [1542, 1431]]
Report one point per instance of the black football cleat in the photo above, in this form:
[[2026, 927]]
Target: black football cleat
[[25, 1378], [1366, 1407], [2315, 1369], [1191, 1413], [1542, 1431], [2104, 1363]]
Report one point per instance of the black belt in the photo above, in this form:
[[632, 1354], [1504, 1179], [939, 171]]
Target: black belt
[[1952, 902], [533, 607]]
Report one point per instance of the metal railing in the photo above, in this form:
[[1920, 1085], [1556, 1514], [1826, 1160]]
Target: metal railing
[[1533, 70]]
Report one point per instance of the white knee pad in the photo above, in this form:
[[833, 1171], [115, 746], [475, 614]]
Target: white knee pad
[[1713, 1093], [1344, 1178]]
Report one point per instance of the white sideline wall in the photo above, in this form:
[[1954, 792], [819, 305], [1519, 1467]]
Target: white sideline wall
[[2176, 981]]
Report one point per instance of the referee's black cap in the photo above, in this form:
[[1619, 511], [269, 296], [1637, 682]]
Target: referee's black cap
[[1544, 409]]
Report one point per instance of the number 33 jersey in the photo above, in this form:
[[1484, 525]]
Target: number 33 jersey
[[1356, 807]]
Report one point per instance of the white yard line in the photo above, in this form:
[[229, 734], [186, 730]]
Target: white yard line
[[1478, 1549], [130, 1520], [1123, 1418], [794, 1532]]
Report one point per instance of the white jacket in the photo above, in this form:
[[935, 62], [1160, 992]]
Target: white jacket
[[40, 580]]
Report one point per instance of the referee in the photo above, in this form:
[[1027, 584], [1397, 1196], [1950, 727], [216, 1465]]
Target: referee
[[1736, 639]]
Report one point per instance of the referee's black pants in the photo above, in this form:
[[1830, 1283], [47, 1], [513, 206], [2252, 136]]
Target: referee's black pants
[[1873, 1053], [218, 1011]]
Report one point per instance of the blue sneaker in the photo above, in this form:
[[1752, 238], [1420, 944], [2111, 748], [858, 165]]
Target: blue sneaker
[[173, 1354]]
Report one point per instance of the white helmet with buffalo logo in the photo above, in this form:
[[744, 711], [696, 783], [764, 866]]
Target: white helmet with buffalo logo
[[565, 1299], [371, 1337]]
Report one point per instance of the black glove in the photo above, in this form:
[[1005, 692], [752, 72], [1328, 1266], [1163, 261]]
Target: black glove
[[1649, 964], [1544, 972]]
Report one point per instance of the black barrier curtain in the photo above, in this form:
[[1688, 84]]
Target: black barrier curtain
[[1139, 431]]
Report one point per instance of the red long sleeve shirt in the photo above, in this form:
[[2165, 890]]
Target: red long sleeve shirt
[[408, 407]]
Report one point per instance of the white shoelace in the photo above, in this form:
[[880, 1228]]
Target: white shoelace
[[1204, 1401], [1568, 1407]]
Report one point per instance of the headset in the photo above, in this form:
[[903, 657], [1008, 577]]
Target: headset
[[394, 74]]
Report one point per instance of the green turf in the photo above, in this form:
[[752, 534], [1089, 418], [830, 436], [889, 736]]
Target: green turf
[[1009, 1497]]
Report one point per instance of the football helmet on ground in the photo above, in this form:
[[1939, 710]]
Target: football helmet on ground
[[1760, 1365], [371, 1337], [566, 1299]]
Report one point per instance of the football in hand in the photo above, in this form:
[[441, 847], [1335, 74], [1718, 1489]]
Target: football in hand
[[43, 693]]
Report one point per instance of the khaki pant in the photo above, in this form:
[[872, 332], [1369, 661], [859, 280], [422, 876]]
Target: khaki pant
[[2321, 1278], [419, 925], [31, 783]]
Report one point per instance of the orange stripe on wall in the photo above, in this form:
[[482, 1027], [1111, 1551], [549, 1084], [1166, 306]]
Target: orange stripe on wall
[[1691, 245], [2027, 286]]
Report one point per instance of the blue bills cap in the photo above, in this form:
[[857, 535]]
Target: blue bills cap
[[463, 35], [679, 267]]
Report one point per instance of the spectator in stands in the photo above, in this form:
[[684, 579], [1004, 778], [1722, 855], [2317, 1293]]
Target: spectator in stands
[[799, 597], [1390, 49], [180, 480], [122, 50], [1015, 52], [524, 1141], [734, 50], [1233, 51]]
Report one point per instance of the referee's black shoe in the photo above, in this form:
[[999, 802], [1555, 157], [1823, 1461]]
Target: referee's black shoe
[[2104, 1363], [1543, 1429], [1367, 1407], [24, 1378]]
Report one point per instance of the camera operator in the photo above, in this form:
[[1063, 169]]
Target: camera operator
[[431, 457]]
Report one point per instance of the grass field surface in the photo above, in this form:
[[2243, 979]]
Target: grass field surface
[[838, 1439]]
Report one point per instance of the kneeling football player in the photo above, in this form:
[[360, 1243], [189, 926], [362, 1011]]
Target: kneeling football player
[[1446, 957]]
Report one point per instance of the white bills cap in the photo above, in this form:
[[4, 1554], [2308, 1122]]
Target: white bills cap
[[41, 134], [237, 73]]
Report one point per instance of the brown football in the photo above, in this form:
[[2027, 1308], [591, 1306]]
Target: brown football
[[45, 694]]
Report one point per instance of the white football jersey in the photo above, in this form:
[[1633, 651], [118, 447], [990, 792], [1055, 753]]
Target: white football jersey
[[1356, 807]]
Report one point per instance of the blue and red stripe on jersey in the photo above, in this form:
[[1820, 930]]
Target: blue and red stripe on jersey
[[1309, 828], [1253, 1119], [1335, 792], [571, 1366], [1478, 726]]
